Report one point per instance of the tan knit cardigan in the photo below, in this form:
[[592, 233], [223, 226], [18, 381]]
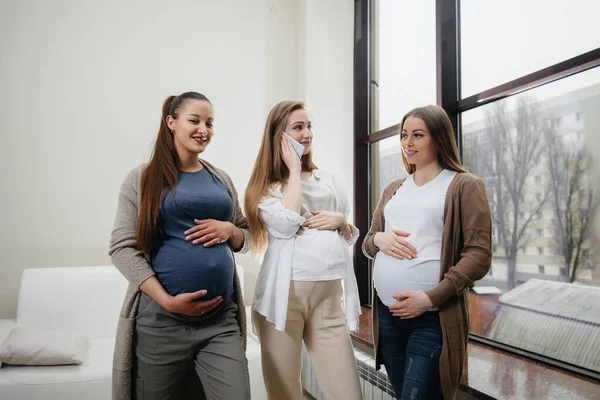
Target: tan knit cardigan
[[135, 266]]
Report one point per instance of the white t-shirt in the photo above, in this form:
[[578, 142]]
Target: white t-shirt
[[318, 255], [418, 210]]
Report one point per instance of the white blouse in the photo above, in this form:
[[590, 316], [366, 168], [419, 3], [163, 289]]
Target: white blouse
[[292, 250], [318, 255]]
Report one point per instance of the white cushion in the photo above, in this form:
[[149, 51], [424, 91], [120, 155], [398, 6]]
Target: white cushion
[[31, 346], [90, 380], [82, 300], [97, 366], [6, 326]]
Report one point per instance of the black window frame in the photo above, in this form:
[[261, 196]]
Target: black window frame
[[449, 97]]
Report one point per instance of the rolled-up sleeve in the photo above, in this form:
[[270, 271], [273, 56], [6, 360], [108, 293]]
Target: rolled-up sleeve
[[344, 208], [351, 241], [280, 222]]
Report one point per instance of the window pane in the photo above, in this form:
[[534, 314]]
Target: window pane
[[386, 166], [404, 63], [504, 40], [535, 151]]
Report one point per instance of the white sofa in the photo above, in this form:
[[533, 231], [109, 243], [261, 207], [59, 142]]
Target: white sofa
[[87, 301]]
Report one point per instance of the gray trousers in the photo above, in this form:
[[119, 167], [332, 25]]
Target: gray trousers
[[168, 345]]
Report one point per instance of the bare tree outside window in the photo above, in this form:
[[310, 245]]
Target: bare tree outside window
[[508, 158], [574, 203]]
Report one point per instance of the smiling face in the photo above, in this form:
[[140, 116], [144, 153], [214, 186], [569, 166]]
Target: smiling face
[[418, 146], [299, 127], [192, 127]]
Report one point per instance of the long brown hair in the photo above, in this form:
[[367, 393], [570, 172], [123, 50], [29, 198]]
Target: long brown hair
[[160, 175], [269, 168], [441, 131]]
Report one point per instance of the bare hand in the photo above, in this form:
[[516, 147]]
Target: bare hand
[[290, 158], [326, 221], [209, 232], [411, 304], [188, 304], [393, 244]]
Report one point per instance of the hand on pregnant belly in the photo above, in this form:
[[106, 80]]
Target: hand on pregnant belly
[[326, 220], [411, 304], [210, 232], [394, 245], [188, 304]]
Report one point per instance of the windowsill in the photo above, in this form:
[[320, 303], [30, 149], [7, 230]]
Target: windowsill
[[493, 373]]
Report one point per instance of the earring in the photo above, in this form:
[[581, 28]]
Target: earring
[[172, 132]]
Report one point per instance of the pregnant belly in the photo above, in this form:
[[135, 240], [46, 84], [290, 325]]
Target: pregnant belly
[[314, 247], [184, 268], [392, 276]]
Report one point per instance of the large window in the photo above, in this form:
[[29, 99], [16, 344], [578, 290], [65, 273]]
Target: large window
[[403, 76], [521, 83], [504, 40], [403, 58], [542, 293]]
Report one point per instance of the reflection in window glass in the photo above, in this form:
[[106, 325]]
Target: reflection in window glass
[[386, 165], [504, 40], [404, 60], [536, 161]]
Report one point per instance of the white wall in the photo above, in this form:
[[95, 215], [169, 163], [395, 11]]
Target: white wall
[[328, 66], [80, 96]]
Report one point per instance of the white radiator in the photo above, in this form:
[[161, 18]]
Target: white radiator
[[374, 384]]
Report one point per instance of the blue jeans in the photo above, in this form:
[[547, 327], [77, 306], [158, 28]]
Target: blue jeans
[[411, 353]]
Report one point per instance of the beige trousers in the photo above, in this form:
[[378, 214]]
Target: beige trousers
[[314, 315]]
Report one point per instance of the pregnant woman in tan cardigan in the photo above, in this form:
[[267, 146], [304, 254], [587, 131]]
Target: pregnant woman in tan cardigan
[[431, 239]]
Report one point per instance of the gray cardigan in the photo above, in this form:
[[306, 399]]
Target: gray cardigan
[[135, 266]]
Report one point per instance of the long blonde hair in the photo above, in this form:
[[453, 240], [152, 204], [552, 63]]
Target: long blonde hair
[[270, 169], [442, 133]]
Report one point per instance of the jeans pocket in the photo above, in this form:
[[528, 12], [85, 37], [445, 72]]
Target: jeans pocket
[[424, 346]]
